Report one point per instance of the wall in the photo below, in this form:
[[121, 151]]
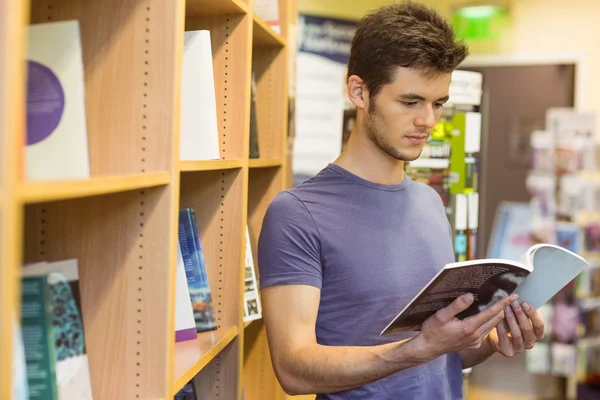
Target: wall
[[537, 27]]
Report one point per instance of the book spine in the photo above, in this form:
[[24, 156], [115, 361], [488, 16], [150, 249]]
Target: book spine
[[38, 338], [195, 269]]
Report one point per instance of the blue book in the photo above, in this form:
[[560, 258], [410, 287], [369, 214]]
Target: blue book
[[195, 270]]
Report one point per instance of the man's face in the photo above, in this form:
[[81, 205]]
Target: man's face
[[405, 112]]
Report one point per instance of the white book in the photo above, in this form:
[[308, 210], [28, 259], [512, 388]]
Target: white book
[[252, 305], [72, 367], [199, 130], [57, 144], [185, 324]]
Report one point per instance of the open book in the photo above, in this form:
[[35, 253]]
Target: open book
[[541, 272]]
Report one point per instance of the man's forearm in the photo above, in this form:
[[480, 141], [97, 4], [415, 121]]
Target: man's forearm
[[328, 369], [471, 358]]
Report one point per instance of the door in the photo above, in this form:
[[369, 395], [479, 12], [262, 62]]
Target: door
[[514, 104]]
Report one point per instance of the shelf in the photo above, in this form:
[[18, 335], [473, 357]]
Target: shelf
[[264, 36], [193, 355], [209, 165], [203, 8], [264, 162], [38, 192]]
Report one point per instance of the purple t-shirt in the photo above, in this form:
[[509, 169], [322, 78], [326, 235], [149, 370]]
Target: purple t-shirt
[[370, 248]]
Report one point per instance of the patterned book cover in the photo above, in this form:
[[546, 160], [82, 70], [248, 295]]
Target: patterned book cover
[[38, 338], [195, 269], [72, 367]]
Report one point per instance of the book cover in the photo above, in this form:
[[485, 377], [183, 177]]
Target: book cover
[[185, 325], [20, 388], [196, 272], [254, 151], [38, 338], [252, 306], [199, 131], [57, 145], [541, 272], [72, 367]]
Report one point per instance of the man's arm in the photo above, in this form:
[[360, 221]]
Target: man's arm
[[305, 367]]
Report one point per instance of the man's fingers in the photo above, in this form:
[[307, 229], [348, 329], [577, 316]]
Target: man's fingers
[[489, 313], [459, 305], [525, 325], [515, 330], [536, 320], [489, 325], [504, 341]]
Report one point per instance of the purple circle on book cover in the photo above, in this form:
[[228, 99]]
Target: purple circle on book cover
[[45, 102]]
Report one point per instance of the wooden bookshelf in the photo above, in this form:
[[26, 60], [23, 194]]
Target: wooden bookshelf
[[39, 192], [122, 223], [264, 36], [192, 356], [209, 165], [264, 163]]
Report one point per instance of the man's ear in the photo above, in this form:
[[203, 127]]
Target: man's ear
[[356, 91]]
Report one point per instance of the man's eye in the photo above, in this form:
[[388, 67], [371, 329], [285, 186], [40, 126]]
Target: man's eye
[[438, 105], [409, 103]]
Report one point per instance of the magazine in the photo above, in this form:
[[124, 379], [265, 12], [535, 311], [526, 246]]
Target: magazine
[[541, 272]]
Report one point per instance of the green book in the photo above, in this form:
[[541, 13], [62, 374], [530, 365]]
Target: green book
[[38, 338]]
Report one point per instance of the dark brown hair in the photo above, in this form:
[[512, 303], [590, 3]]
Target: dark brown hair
[[407, 34]]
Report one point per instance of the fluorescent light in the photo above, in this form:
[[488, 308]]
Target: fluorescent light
[[478, 11]]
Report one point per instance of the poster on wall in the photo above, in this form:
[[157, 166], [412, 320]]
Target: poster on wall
[[324, 48]]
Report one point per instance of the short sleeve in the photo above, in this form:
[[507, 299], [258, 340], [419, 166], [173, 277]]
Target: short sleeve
[[289, 246]]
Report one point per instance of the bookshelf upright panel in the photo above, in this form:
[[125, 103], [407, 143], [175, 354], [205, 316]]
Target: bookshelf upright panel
[[269, 66], [13, 37]]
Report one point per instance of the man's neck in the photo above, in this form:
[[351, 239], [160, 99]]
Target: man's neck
[[365, 159]]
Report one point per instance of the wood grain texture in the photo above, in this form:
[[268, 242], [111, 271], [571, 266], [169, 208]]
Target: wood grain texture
[[120, 242], [192, 356], [203, 8], [210, 165], [37, 192], [231, 52], [269, 65], [260, 381], [216, 197], [264, 36], [128, 53], [13, 41], [217, 379]]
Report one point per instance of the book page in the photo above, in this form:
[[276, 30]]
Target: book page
[[553, 269], [489, 282]]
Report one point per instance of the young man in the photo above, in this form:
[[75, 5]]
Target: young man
[[340, 254]]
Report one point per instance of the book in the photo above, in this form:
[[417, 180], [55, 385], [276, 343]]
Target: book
[[57, 143], [185, 324], [196, 272], [252, 306], [67, 327], [541, 272], [199, 132], [38, 338]]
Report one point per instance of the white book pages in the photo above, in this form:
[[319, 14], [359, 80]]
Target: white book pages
[[57, 144], [199, 130]]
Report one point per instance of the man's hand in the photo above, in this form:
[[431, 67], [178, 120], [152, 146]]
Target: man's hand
[[522, 328], [444, 333]]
